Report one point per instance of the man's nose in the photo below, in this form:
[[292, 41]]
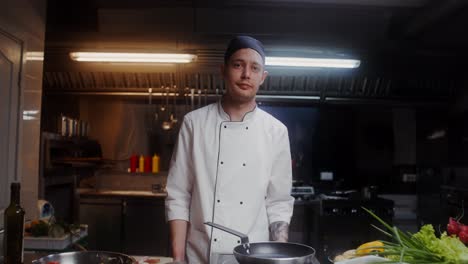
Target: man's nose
[[246, 73]]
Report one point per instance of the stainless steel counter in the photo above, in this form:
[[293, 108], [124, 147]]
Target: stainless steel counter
[[125, 193]]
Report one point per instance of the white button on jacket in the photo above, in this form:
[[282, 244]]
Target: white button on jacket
[[236, 174]]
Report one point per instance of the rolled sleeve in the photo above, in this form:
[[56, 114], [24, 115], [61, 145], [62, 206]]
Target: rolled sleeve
[[279, 202], [180, 177]]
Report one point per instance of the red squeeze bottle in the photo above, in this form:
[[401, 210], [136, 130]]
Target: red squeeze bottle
[[147, 163], [133, 163]]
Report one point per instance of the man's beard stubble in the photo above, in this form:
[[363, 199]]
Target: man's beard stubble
[[240, 98]]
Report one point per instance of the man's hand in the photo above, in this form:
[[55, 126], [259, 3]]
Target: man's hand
[[178, 239], [279, 231]]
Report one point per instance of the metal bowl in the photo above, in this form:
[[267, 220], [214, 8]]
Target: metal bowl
[[87, 257]]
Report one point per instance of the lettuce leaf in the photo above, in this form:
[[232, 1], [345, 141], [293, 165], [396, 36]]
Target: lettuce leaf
[[449, 247]]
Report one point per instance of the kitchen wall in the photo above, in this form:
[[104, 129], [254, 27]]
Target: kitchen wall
[[321, 140], [375, 145], [30, 28], [357, 143], [456, 173], [24, 20], [361, 144]]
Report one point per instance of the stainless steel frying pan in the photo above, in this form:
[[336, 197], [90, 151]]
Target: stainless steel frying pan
[[269, 252]]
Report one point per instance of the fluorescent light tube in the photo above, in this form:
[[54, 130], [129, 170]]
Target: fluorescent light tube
[[30, 112], [35, 56], [132, 57], [312, 62]]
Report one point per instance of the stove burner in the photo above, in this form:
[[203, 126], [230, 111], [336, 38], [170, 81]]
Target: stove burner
[[302, 192]]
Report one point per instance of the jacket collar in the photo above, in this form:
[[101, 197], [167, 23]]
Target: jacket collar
[[225, 116]]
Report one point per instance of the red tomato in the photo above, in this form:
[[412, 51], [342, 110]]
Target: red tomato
[[463, 228], [453, 229], [463, 236]]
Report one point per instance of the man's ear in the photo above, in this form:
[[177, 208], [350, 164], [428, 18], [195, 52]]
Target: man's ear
[[264, 75]]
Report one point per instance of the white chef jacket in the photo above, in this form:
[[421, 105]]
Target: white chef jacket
[[236, 174]]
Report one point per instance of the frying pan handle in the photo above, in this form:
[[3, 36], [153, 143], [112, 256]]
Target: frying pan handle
[[244, 238]]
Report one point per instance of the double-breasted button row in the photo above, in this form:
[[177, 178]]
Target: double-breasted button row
[[215, 240], [246, 128], [243, 164], [219, 201]]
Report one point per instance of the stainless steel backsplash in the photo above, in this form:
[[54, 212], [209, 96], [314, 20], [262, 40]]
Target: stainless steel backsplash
[[126, 128]]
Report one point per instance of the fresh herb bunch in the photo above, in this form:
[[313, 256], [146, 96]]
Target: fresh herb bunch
[[421, 247]]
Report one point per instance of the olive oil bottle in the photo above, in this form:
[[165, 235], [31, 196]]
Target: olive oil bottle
[[14, 228]]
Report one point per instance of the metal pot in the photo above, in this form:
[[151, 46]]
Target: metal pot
[[87, 257], [269, 252]]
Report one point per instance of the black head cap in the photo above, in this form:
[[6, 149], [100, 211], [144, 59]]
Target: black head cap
[[244, 42]]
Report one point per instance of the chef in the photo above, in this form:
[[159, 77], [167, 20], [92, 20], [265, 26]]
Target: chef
[[231, 166]]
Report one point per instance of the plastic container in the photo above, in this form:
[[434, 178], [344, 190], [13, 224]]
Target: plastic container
[[155, 166], [148, 164], [133, 163], [141, 163], [58, 243]]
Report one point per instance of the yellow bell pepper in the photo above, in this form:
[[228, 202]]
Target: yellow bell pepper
[[370, 247]]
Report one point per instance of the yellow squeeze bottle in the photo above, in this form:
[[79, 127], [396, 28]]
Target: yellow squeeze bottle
[[155, 164], [141, 164]]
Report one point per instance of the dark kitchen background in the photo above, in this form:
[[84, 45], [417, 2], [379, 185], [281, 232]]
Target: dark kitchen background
[[398, 124]]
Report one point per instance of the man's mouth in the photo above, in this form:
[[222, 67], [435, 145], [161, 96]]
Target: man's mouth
[[244, 85]]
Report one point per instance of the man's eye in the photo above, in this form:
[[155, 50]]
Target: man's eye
[[255, 68], [236, 65]]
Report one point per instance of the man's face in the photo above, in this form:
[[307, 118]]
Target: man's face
[[243, 75]]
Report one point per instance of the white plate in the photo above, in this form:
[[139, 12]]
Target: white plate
[[162, 260], [361, 260]]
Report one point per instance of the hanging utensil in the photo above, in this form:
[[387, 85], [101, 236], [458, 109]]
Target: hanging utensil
[[192, 94], [199, 97], [150, 119], [156, 115], [174, 108], [150, 95], [167, 124], [162, 94], [186, 97]]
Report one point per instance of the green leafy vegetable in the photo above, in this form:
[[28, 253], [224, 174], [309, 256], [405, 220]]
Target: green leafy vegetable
[[40, 229], [421, 247]]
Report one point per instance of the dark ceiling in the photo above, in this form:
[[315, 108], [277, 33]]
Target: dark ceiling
[[406, 46]]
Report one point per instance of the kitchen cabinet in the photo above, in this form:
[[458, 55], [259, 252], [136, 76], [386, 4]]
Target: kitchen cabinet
[[304, 221], [145, 227], [131, 225], [104, 219]]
